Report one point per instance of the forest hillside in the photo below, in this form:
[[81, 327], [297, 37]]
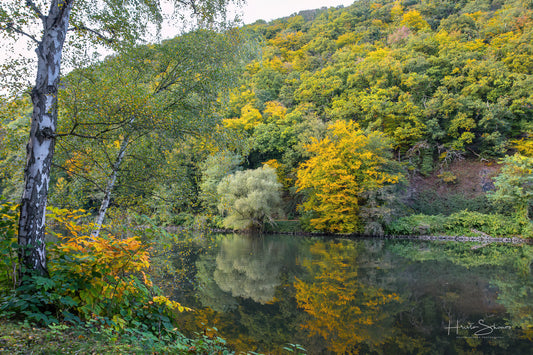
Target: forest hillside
[[370, 116]]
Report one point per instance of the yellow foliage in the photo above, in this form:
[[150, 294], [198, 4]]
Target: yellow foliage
[[414, 20], [347, 163], [342, 310], [170, 304], [106, 266], [274, 111], [64, 223], [396, 11], [524, 146], [250, 117]]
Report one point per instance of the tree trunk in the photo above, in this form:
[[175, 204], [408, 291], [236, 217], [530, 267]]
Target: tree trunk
[[40, 148], [109, 188]]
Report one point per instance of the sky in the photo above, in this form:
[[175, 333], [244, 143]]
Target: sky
[[272, 9]]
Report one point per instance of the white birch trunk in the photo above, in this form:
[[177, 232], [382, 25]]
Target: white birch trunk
[[109, 188], [40, 148]]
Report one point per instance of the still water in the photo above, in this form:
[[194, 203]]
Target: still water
[[340, 296]]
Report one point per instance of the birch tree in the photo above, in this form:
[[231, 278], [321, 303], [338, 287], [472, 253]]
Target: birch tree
[[50, 25], [160, 93]]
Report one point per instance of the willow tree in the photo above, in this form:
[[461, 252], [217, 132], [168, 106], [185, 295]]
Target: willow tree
[[50, 25]]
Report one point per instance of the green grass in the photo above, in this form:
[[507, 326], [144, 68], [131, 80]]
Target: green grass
[[23, 338], [19, 338]]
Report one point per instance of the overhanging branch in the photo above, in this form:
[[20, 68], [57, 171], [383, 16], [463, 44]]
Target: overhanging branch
[[98, 34], [10, 27]]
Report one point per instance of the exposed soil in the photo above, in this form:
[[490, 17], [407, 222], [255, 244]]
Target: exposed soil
[[472, 178]]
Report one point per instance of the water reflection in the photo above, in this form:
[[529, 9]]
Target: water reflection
[[367, 296], [250, 267], [345, 312]]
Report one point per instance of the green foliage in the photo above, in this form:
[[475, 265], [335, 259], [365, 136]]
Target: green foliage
[[432, 203], [8, 244], [24, 338], [285, 227], [14, 127], [514, 185], [126, 124], [461, 223], [216, 167], [417, 224], [250, 198]]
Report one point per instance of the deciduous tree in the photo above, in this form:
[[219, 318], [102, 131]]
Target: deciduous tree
[[250, 198], [346, 165], [111, 22]]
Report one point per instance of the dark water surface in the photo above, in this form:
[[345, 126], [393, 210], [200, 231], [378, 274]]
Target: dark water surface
[[337, 296]]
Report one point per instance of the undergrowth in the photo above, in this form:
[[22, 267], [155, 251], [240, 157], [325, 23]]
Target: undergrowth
[[97, 287], [467, 223]]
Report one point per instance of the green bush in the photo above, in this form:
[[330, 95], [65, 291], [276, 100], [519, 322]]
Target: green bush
[[466, 223], [418, 224], [8, 244], [495, 225]]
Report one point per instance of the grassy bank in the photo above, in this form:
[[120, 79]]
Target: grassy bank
[[23, 338], [20, 338]]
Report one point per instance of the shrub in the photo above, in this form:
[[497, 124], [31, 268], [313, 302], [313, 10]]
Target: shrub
[[495, 225], [460, 223], [417, 225], [100, 281], [8, 244]]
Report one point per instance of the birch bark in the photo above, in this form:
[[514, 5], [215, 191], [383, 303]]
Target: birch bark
[[109, 187], [40, 148]]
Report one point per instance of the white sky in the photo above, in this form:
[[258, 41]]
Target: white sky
[[272, 9]]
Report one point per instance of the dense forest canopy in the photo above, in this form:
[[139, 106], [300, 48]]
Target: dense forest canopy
[[438, 81]]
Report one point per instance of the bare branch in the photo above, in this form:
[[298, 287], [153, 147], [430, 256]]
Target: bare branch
[[31, 5], [190, 3], [98, 34], [10, 27]]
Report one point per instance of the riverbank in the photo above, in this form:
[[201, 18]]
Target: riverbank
[[23, 338]]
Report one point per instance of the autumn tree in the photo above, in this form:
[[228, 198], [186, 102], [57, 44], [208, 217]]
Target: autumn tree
[[161, 93], [345, 165], [250, 199], [107, 22]]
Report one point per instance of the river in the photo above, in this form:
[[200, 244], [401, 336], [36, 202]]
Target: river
[[310, 295]]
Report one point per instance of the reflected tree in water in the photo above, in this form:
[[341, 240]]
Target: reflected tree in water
[[250, 268], [349, 315]]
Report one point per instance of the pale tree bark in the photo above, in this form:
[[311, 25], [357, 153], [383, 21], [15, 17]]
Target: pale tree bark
[[40, 148], [110, 186]]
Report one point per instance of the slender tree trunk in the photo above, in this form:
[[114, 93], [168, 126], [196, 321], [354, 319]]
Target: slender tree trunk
[[110, 186], [40, 148]]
